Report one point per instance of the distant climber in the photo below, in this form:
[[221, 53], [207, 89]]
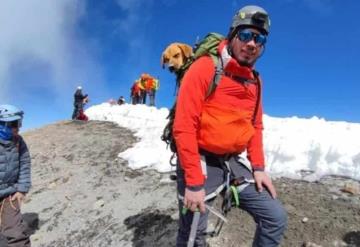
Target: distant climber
[[79, 101], [15, 176], [121, 100], [135, 93], [149, 86]]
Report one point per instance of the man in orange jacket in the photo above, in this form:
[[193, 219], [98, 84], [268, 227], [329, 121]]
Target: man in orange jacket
[[135, 93], [200, 171]]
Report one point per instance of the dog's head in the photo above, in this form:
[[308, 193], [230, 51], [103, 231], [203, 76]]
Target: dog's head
[[175, 56]]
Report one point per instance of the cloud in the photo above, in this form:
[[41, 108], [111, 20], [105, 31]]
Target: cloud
[[134, 17], [131, 18], [41, 48], [130, 5], [132, 27], [324, 7]]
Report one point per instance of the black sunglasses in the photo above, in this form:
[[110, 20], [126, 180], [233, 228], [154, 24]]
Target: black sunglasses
[[12, 124]]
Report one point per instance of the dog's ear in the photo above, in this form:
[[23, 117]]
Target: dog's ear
[[163, 60], [186, 49]]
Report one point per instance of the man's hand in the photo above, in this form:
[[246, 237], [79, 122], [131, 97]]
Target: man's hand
[[261, 178], [194, 200], [19, 197]]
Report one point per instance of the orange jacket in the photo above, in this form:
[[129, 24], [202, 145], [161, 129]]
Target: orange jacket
[[149, 84], [146, 82], [230, 93], [135, 89]]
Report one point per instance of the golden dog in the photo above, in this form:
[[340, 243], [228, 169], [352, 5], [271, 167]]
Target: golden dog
[[175, 56]]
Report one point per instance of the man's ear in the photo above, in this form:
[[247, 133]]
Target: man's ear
[[186, 49]]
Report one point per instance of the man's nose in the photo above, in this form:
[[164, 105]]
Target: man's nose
[[251, 43]]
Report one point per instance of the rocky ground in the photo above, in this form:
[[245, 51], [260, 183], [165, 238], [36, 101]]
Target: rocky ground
[[84, 195]]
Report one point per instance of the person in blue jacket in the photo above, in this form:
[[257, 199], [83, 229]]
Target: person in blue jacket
[[15, 176]]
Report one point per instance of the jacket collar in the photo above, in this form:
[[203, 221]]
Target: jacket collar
[[230, 65]]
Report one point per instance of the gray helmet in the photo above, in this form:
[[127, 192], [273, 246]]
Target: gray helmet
[[9, 113], [252, 16]]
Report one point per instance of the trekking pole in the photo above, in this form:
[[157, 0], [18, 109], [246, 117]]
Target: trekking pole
[[216, 213], [194, 226]]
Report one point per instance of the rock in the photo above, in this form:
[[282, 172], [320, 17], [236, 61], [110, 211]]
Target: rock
[[99, 204], [52, 185], [290, 209], [339, 243], [34, 237], [166, 180], [65, 179], [310, 244], [352, 188], [305, 219]]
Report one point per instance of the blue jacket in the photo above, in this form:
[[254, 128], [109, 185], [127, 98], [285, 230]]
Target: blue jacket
[[15, 167]]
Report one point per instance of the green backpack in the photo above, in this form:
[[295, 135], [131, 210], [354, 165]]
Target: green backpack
[[205, 47]]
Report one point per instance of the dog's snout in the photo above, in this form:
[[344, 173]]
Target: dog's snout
[[171, 69]]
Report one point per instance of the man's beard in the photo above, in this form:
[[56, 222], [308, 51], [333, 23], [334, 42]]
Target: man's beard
[[243, 62], [246, 63]]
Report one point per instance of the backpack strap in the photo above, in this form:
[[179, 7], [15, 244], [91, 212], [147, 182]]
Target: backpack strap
[[259, 88], [219, 71]]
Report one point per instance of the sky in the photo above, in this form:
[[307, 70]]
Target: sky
[[294, 147], [48, 48]]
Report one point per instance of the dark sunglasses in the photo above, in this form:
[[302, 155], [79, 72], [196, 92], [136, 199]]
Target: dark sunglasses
[[247, 35], [12, 124]]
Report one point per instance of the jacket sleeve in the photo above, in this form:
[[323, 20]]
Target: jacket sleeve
[[24, 180], [188, 111], [255, 148]]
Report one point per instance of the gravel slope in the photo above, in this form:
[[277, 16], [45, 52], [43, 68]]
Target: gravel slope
[[84, 195]]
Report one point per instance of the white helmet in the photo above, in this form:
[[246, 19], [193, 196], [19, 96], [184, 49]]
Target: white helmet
[[9, 113]]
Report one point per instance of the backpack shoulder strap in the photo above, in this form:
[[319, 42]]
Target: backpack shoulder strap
[[219, 71], [259, 88]]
